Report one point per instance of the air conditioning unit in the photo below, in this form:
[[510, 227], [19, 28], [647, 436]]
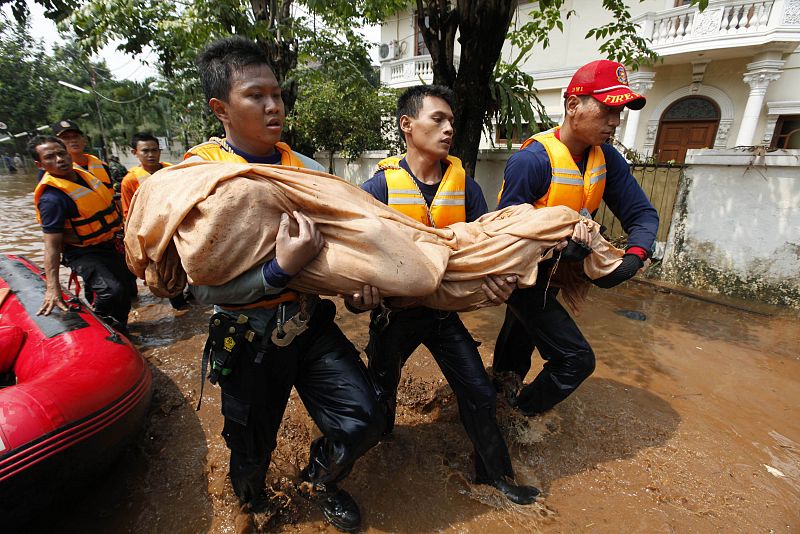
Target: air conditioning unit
[[389, 51]]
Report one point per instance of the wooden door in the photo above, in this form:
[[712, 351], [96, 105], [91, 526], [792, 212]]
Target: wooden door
[[675, 138]]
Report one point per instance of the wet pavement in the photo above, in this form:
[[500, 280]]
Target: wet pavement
[[689, 424]]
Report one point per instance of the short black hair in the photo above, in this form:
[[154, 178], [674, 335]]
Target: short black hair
[[40, 140], [224, 57], [411, 100], [142, 136]]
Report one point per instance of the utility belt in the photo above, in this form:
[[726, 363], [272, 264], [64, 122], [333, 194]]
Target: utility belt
[[230, 335], [268, 303]]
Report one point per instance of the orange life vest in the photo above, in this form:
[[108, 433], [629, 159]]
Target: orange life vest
[[447, 207], [97, 167], [139, 175], [567, 186], [216, 149], [98, 219]]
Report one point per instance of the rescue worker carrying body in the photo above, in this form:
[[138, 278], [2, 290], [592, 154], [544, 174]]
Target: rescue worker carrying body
[[430, 186], [265, 339], [574, 166], [80, 220]]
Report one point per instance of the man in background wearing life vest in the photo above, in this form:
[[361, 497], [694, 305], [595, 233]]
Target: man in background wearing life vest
[[574, 166], [72, 137], [430, 186], [145, 147], [79, 219], [285, 339]]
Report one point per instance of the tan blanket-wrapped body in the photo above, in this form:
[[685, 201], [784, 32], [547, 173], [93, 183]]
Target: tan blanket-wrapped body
[[513, 241], [213, 221]]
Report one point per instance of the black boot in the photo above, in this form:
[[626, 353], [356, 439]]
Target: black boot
[[178, 302], [247, 477], [516, 493], [339, 509]]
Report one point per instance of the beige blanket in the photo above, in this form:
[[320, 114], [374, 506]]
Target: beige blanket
[[213, 221]]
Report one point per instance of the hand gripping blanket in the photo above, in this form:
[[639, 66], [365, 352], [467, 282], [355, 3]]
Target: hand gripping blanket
[[211, 221]]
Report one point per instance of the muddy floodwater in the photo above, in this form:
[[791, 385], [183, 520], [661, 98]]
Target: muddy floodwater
[[691, 423]]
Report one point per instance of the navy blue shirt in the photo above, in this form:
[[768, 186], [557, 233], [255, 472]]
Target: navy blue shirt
[[55, 207], [272, 159], [527, 178], [475, 203]]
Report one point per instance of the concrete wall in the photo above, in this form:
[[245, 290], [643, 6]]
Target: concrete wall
[[736, 225]]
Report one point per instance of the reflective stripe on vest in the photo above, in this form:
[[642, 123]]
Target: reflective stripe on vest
[[98, 219], [447, 207], [97, 168], [216, 149], [139, 174], [567, 186]]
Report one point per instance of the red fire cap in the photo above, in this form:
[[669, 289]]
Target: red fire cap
[[607, 82]]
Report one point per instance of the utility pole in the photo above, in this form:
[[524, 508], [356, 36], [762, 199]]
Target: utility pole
[[93, 81]]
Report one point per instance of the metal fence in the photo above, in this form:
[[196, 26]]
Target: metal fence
[[660, 183]]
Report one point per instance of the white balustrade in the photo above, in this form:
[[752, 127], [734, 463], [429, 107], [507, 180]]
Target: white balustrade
[[409, 71], [731, 17]]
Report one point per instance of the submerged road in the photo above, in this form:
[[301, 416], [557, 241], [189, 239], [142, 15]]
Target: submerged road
[[689, 424]]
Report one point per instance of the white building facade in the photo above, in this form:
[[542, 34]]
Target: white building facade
[[728, 76], [724, 99]]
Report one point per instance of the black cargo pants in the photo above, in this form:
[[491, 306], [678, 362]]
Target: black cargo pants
[[334, 386], [535, 319], [456, 352], [106, 275]]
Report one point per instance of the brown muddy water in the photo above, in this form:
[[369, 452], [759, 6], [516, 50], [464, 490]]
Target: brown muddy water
[[691, 423]]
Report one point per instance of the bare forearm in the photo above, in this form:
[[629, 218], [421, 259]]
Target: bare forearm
[[52, 259]]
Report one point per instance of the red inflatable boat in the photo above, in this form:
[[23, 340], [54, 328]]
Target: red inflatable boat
[[72, 392]]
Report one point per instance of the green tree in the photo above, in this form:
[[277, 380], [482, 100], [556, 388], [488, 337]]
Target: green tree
[[341, 107], [24, 81], [178, 32]]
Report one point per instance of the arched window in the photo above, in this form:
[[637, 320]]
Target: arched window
[[690, 122], [691, 108]]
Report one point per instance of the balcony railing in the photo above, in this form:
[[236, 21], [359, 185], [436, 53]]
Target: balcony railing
[[723, 24], [408, 71]]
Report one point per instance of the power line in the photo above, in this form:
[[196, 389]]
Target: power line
[[123, 101]]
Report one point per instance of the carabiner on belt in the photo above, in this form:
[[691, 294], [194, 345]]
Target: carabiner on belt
[[381, 320], [285, 331]]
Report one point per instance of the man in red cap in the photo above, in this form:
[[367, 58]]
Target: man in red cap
[[572, 165]]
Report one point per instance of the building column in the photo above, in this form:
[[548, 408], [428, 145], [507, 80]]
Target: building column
[[759, 75], [641, 82]]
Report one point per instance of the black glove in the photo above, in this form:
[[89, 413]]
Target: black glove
[[630, 264], [575, 251]]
